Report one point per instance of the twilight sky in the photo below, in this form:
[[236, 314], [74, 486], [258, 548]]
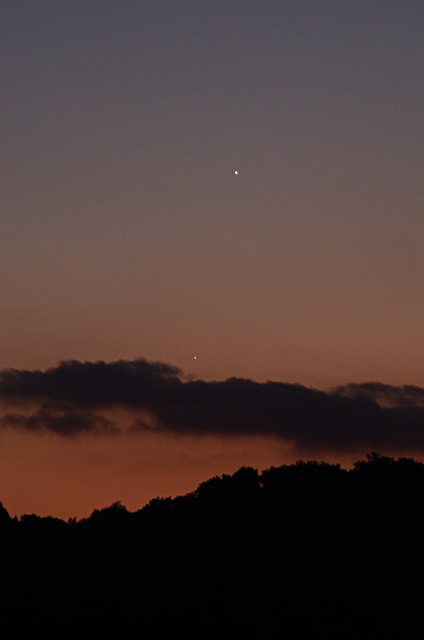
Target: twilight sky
[[125, 234]]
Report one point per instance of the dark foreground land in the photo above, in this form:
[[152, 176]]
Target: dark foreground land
[[306, 550]]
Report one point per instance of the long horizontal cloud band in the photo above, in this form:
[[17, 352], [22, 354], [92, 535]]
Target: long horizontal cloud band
[[75, 397]]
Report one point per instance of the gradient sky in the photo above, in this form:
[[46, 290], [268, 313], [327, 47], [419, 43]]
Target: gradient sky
[[125, 233]]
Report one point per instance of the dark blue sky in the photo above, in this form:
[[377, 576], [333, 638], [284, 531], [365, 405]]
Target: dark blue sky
[[124, 231]]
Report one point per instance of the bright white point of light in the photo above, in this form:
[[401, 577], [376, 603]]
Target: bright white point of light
[[236, 173]]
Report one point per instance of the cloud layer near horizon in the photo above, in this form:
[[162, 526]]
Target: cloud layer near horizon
[[78, 397]]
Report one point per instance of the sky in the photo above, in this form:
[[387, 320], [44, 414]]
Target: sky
[[131, 252]]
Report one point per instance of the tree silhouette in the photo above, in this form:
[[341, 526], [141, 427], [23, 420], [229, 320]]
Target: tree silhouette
[[310, 549]]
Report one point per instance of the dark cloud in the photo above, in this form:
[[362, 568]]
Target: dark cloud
[[75, 397], [68, 397], [91, 384], [384, 394], [67, 424]]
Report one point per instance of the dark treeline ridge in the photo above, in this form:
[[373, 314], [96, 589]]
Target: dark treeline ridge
[[304, 550]]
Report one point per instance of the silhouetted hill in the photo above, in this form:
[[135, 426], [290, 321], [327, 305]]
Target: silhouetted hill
[[309, 549]]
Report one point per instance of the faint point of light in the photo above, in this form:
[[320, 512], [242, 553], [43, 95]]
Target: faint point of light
[[194, 357], [236, 172]]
